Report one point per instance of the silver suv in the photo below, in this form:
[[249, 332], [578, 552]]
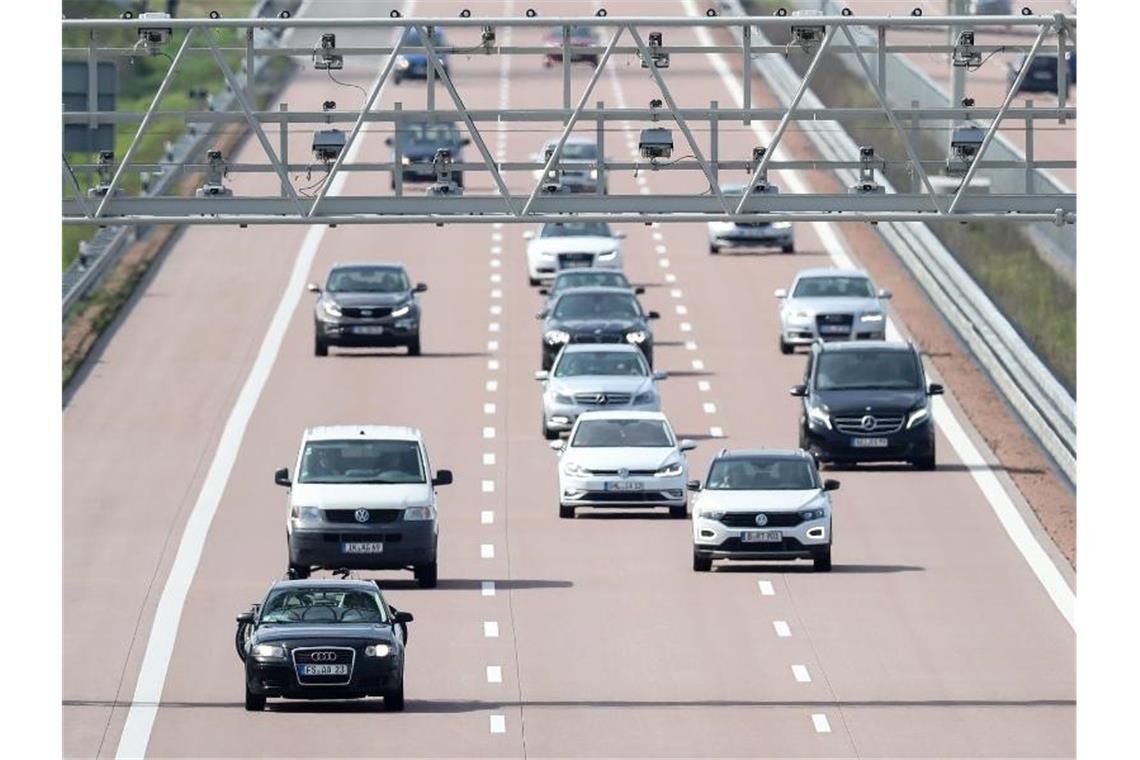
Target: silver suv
[[831, 304]]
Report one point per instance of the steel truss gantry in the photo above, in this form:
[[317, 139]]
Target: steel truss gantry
[[502, 204]]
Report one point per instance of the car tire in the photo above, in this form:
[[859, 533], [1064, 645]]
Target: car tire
[[925, 463], [679, 512], [786, 347], [702, 563], [298, 572], [787, 249], [414, 347], [714, 249], [320, 348], [254, 702], [821, 561], [566, 511], [547, 433], [427, 575], [394, 698]]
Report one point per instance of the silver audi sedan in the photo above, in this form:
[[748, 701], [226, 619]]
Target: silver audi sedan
[[590, 377], [831, 304]]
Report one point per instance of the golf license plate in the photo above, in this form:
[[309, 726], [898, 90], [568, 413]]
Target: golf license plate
[[368, 330], [869, 443], [362, 547], [761, 536], [323, 670], [625, 485]]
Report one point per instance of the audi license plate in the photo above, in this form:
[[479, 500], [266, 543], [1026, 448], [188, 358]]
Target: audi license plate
[[625, 485], [761, 536], [323, 670], [368, 330], [362, 547], [869, 443]]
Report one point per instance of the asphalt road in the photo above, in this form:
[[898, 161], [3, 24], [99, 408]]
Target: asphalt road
[[931, 638]]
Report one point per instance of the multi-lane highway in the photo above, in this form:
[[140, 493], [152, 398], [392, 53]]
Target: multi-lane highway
[[943, 630]]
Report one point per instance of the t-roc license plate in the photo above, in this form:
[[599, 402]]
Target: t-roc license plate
[[368, 330], [625, 485], [362, 547], [869, 443], [323, 670], [761, 536]]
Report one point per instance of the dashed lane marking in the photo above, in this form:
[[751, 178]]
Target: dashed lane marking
[[488, 486], [498, 724], [488, 432], [782, 629], [766, 588], [488, 588], [489, 458], [494, 674], [800, 673], [819, 720], [487, 517], [487, 551], [490, 629]]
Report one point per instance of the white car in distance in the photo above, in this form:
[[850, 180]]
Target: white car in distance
[[555, 246]]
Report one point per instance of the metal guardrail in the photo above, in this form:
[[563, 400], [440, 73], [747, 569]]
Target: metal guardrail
[[1044, 405], [98, 255]]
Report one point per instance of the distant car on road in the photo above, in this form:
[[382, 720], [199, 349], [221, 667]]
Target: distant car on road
[[831, 304], [622, 460], [570, 279], [556, 246], [762, 505], [419, 141], [588, 377], [578, 161], [867, 402], [749, 234], [415, 65], [323, 639], [362, 497], [367, 304], [595, 315], [580, 37]]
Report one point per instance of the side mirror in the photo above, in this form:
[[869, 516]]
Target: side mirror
[[388, 141], [653, 315], [799, 391], [245, 618], [542, 314], [465, 141], [528, 235], [935, 390], [402, 617], [781, 293], [281, 477], [884, 293], [639, 291], [619, 235], [421, 287], [541, 374], [693, 485], [687, 444], [442, 478], [558, 445], [831, 485], [314, 287], [661, 375], [544, 291]]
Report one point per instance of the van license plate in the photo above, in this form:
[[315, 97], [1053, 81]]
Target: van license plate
[[362, 547], [869, 443]]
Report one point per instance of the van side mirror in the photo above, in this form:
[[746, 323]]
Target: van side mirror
[[639, 291], [544, 291], [661, 375], [831, 485], [402, 617], [687, 444], [885, 293], [442, 478], [542, 314], [935, 389], [541, 374], [281, 477], [245, 618], [421, 287], [653, 315], [314, 287], [781, 293], [799, 391]]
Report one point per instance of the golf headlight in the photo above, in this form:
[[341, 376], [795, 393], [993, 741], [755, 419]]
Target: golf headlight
[[817, 414], [402, 310], [637, 337], [670, 470], [799, 318], [415, 514], [608, 255], [575, 470], [275, 651], [812, 514], [781, 225], [556, 337], [645, 398], [917, 417], [378, 650], [710, 514], [306, 515], [875, 317], [331, 308], [562, 398]]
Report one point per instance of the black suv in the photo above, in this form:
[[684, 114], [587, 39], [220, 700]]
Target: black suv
[[367, 305], [418, 142], [595, 315], [867, 402]]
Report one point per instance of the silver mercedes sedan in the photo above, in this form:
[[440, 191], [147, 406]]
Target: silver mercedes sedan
[[831, 304], [596, 377]]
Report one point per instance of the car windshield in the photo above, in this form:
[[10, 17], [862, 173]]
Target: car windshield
[[580, 363], [571, 280], [321, 606], [622, 433], [365, 461], [367, 280], [576, 305], [436, 134], [761, 474], [851, 370], [833, 287], [575, 151], [575, 229]]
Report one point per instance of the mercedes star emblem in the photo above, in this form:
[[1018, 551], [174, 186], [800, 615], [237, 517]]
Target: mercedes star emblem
[[361, 515], [623, 472], [600, 398], [868, 422], [761, 519]]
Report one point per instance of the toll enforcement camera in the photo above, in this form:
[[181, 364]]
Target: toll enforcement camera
[[552, 180], [106, 171], [215, 173], [866, 184], [659, 57], [488, 38], [656, 142], [807, 36], [327, 144], [325, 57], [965, 54], [444, 184], [762, 186], [965, 142], [154, 37]]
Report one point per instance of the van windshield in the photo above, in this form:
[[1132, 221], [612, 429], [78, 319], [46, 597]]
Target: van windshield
[[867, 370], [361, 462]]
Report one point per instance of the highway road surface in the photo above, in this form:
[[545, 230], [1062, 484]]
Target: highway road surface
[[933, 637]]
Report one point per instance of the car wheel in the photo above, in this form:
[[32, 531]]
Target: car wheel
[[414, 347], [788, 249], [427, 575], [714, 249], [566, 511], [702, 563], [394, 698], [925, 463], [821, 561], [320, 348], [547, 433], [254, 702], [785, 347], [298, 572], [679, 512]]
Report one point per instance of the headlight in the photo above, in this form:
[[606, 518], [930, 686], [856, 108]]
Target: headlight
[[636, 337], [817, 414], [711, 514], [405, 160], [575, 470], [608, 255], [799, 318], [555, 337], [403, 63], [306, 515], [645, 398], [560, 398], [402, 310], [871, 318], [918, 416], [670, 470], [268, 650], [546, 254], [331, 308], [378, 650], [419, 513], [812, 514], [781, 225]]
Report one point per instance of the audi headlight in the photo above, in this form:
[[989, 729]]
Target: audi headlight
[[575, 470], [781, 225], [331, 308], [274, 651], [799, 318], [710, 514], [875, 317], [402, 310], [306, 515], [378, 650], [556, 337], [817, 414], [636, 337], [670, 470], [917, 417], [608, 255], [645, 398], [812, 514], [413, 514]]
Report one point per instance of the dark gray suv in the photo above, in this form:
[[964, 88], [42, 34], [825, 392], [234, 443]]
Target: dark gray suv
[[367, 305]]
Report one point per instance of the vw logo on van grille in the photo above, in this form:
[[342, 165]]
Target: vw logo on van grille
[[868, 422], [761, 519], [361, 515], [623, 472], [323, 657]]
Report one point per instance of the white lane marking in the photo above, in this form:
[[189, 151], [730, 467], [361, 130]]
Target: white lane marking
[[488, 408], [490, 629], [716, 432], [497, 225], [703, 386], [1011, 520], [663, 263], [488, 432], [492, 345], [492, 385], [819, 720], [496, 293], [492, 364], [496, 262], [496, 236], [493, 327], [487, 551], [800, 673], [670, 277], [698, 364], [489, 458], [168, 614], [494, 674], [488, 588], [487, 517], [681, 309], [658, 236], [488, 486], [496, 277], [709, 407], [496, 309], [640, 180], [675, 292], [644, 190], [496, 250], [686, 327], [498, 724], [766, 588], [690, 345], [782, 629], [661, 250]]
